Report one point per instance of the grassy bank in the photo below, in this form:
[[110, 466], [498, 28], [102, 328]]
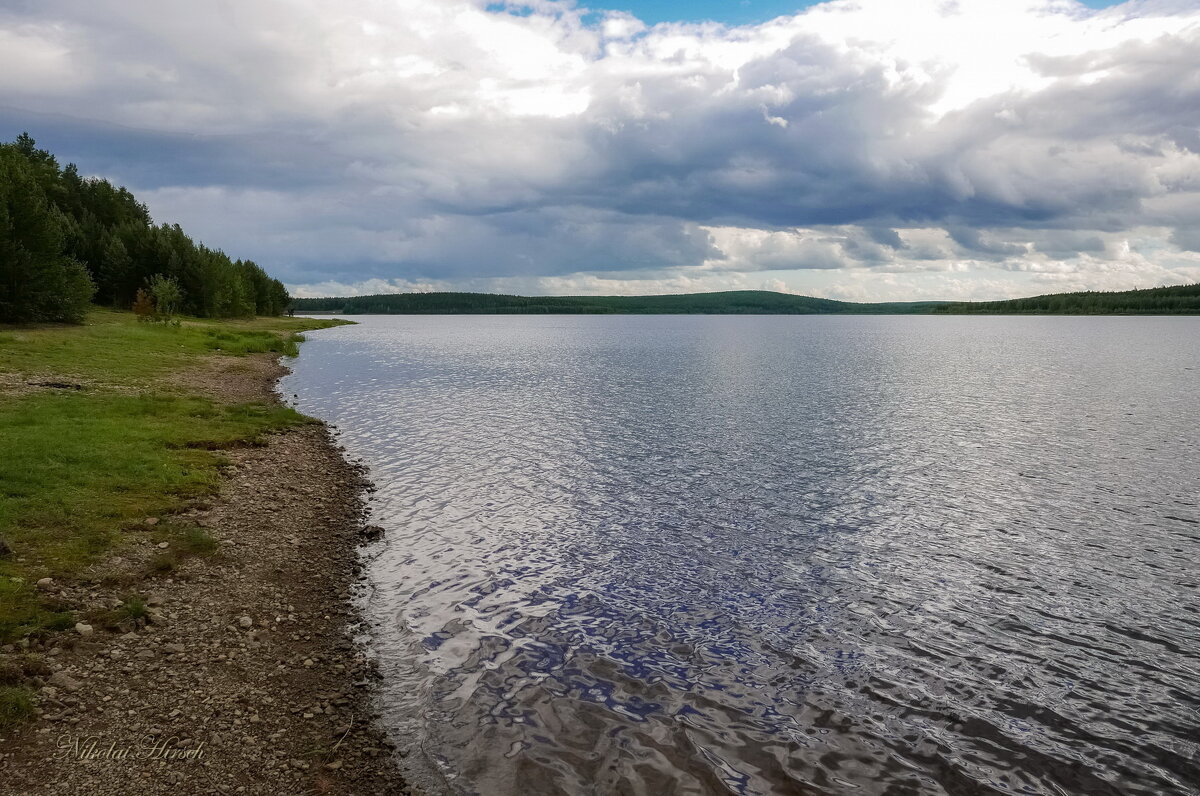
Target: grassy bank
[[99, 433]]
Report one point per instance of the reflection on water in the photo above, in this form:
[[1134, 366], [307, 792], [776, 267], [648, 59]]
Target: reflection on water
[[781, 554]]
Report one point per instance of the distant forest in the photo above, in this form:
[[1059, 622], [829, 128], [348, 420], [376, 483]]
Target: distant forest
[[67, 240], [1183, 299], [734, 302], [1179, 300]]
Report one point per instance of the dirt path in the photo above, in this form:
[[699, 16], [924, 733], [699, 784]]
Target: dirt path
[[242, 677]]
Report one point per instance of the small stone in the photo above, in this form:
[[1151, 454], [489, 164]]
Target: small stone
[[163, 545], [151, 521], [65, 681], [334, 766], [246, 621], [84, 629], [46, 583]]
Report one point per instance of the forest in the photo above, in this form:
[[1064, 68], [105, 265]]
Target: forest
[[1183, 299], [1178, 300], [67, 241], [733, 302]]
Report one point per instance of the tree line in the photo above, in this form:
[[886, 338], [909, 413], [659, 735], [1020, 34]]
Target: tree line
[[1177, 300], [730, 302], [1182, 299], [68, 240]]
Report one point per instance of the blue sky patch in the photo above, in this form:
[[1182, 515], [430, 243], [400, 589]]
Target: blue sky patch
[[731, 12]]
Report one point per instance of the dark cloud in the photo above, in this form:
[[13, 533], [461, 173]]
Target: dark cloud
[[1188, 239], [154, 159], [975, 242], [422, 141]]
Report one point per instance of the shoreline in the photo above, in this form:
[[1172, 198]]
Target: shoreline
[[242, 675]]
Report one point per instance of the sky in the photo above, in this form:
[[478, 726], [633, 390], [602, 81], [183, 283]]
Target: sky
[[854, 149], [732, 12]]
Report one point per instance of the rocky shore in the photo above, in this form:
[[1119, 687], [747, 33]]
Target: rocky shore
[[235, 671]]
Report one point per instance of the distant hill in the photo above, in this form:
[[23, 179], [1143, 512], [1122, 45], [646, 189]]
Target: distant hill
[[1179, 300], [1184, 299], [733, 302]]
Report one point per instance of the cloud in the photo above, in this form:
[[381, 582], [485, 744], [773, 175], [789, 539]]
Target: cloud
[[451, 143], [1187, 239]]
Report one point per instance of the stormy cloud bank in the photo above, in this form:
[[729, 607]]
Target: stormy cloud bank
[[867, 150]]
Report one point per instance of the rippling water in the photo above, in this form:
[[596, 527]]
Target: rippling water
[[877, 555]]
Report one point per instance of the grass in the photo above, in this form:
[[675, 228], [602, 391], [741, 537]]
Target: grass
[[82, 469], [16, 705], [198, 541], [164, 563], [113, 348], [132, 607], [252, 342], [16, 699]]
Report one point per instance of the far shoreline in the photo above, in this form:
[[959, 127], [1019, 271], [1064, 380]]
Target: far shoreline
[[349, 315], [1176, 300]]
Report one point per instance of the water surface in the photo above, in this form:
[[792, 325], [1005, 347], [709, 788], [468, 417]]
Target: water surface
[[780, 554]]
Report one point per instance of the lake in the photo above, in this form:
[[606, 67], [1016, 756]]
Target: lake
[[779, 554]]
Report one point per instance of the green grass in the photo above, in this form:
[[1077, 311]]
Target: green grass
[[82, 469], [164, 563], [16, 705], [132, 608], [198, 541], [240, 343], [112, 348]]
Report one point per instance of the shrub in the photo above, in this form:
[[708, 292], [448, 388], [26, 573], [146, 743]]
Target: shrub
[[167, 295], [143, 306]]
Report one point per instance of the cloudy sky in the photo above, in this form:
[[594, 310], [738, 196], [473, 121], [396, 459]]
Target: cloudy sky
[[858, 149]]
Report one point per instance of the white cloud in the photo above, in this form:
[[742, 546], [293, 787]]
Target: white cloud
[[33, 60]]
